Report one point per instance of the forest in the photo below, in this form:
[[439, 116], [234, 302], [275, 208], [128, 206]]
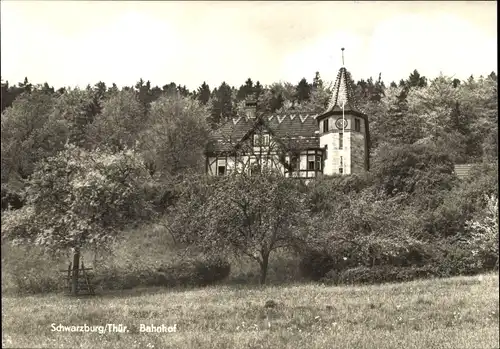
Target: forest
[[118, 175]]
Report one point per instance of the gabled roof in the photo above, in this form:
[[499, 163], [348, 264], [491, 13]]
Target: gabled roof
[[299, 128], [343, 94]]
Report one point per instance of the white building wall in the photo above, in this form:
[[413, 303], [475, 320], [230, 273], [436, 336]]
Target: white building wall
[[213, 166], [331, 139], [328, 164], [230, 165]]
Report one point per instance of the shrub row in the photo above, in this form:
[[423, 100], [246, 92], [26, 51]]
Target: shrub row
[[19, 279], [442, 261], [378, 274], [196, 273]]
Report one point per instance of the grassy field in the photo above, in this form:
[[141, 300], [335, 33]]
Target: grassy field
[[461, 312]]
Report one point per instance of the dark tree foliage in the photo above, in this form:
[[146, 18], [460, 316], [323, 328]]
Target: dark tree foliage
[[170, 89], [419, 170], [416, 80], [26, 85], [222, 105], [258, 89], [370, 90], [276, 102], [183, 91], [245, 90], [9, 94], [203, 93], [303, 90]]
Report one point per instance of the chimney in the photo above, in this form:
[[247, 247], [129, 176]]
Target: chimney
[[250, 108]]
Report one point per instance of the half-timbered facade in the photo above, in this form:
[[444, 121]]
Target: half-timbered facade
[[302, 145]]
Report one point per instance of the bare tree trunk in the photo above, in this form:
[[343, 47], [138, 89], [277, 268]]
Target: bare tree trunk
[[95, 256], [263, 268], [76, 263]]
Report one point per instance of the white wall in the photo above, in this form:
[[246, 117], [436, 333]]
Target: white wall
[[332, 161]]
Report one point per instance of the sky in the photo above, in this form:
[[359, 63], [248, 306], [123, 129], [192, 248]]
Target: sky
[[69, 43]]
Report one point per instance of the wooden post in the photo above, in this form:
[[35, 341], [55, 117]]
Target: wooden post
[[69, 277]]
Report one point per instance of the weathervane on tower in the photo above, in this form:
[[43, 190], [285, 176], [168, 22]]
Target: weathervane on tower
[[342, 56]]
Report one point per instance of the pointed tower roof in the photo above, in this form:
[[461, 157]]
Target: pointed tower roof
[[343, 94]]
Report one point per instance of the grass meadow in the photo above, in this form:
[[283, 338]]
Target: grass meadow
[[460, 312]]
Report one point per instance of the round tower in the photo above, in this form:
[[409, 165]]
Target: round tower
[[343, 130]]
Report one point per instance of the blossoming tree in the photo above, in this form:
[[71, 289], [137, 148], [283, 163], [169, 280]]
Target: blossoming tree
[[78, 199]]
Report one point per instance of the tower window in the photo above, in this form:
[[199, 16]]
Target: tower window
[[357, 125], [325, 125], [341, 165], [341, 141]]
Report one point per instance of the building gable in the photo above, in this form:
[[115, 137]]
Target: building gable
[[301, 129]]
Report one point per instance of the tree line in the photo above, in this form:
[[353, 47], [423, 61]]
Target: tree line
[[81, 165], [460, 115]]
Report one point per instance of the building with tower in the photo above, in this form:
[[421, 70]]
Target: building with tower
[[302, 145]]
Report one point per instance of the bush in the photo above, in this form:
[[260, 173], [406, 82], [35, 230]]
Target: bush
[[322, 190], [420, 169], [402, 253], [210, 271], [463, 202], [444, 260], [378, 274], [314, 265], [198, 272], [459, 261], [460, 258], [11, 198]]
